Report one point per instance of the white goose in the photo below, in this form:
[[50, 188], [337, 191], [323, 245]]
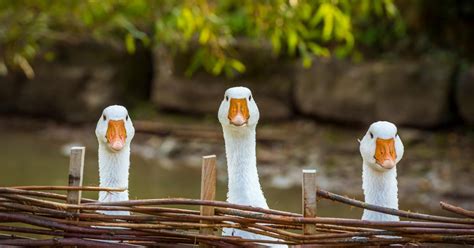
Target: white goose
[[381, 150], [114, 132], [238, 115]]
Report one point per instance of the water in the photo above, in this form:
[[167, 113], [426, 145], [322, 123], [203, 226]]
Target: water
[[39, 158]]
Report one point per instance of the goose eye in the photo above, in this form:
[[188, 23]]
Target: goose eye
[[104, 117], [371, 135], [126, 118], [250, 98], [227, 98]]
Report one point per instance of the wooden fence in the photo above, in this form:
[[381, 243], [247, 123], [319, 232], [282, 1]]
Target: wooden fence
[[33, 216]]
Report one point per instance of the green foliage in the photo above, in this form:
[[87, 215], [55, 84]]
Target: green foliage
[[376, 32], [302, 28]]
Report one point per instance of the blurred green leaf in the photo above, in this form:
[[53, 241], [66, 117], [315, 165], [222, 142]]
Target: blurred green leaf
[[237, 65], [49, 56], [204, 37], [276, 43], [3, 68], [207, 28], [318, 50], [292, 41], [130, 43], [217, 68]]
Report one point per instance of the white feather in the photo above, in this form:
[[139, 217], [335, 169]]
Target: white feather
[[240, 146], [114, 165], [380, 185]]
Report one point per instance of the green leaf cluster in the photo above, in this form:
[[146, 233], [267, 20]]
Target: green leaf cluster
[[297, 28]]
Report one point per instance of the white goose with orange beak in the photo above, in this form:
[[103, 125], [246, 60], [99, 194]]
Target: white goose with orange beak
[[238, 115], [114, 132], [381, 150]]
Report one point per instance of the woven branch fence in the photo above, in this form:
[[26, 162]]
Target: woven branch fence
[[34, 216]]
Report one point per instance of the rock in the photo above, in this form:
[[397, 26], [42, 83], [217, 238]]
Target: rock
[[405, 92], [415, 93], [464, 95], [336, 90], [412, 136], [9, 88], [54, 92], [269, 81], [80, 82]]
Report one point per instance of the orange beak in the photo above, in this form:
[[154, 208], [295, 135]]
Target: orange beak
[[238, 112], [116, 134], [385, 153]]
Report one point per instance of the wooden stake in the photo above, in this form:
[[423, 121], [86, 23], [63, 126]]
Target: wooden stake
[[309, 199], [76, 171], [208, 190]]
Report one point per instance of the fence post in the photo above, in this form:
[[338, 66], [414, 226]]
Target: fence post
[[309, 199], [76, 171], [208, 190]]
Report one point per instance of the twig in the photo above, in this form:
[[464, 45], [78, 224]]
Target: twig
[[457, 210], [83, 188], [154, 225], [401, 213], [183, 201], [38, 193], [60, 242]]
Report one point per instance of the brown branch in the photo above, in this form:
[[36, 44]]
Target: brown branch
[[155, 225], [82, 188], [7, 190], [183, 201], [108, 236], [36, 210], [61, 242], [457, 210], [391, 211], [339, 221]]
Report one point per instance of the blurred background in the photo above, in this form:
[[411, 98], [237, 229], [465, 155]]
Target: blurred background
[[320, 70]]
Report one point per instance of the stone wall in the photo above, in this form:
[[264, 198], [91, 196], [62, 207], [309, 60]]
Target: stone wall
[[465, 95], [407, 92], [414, 92], [422, 92], [79, 83], [270, 82]]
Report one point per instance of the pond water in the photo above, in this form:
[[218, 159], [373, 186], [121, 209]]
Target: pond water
[[36, 158]]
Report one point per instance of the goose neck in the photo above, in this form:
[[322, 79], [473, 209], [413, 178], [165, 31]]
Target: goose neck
[[114, 167], [244, 185], [380, 188]]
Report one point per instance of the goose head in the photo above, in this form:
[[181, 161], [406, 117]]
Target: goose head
[[114, 128], [238, 109], [381, 148]]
